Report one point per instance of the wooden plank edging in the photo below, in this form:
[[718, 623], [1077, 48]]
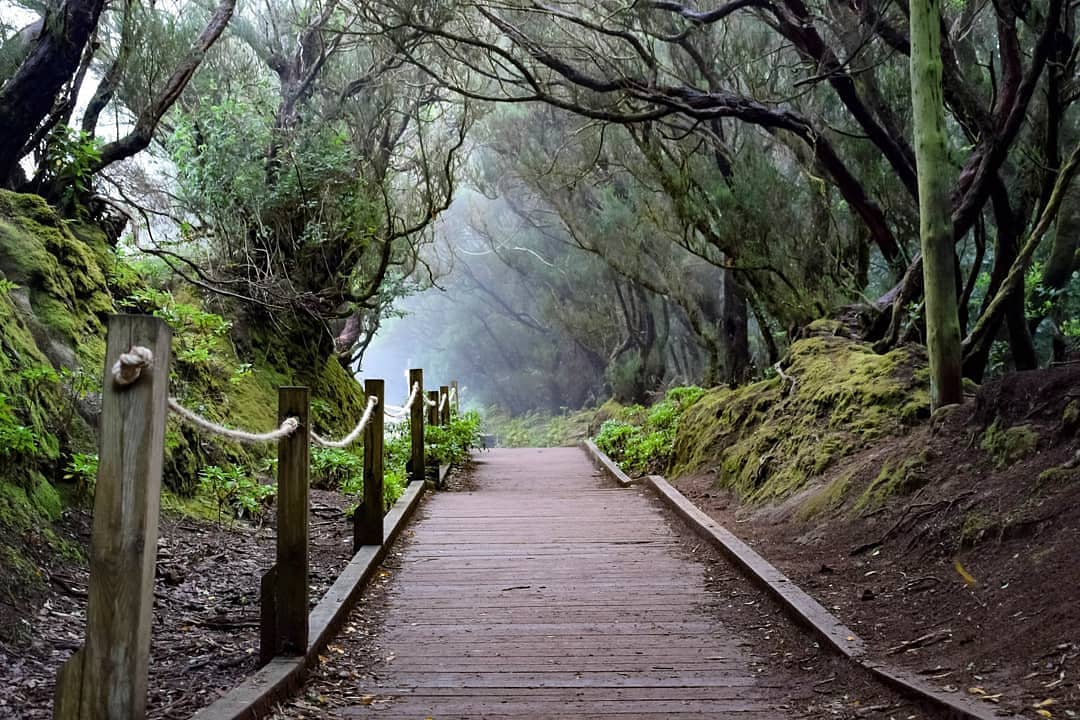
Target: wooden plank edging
[[608, 465], [255, 696], [810, 613]]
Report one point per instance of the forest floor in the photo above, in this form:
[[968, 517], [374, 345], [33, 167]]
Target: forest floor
[[205, 635], [970, 573]]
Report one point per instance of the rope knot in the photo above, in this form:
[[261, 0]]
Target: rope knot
[[128, 368]]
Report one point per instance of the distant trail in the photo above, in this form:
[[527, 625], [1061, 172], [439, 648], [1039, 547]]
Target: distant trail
[[547, 592]]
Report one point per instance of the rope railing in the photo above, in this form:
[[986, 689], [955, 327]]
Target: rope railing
[[287, 428], [130, 365], [133, 428], [396, 413], [352, 436]]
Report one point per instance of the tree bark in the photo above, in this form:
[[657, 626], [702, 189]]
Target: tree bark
[[935, 226], [736, 338]]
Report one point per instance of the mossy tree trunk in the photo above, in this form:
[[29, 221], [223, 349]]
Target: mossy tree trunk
[[27, 98], [935, 212]]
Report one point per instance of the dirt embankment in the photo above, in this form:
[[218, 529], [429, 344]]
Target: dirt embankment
[[951, 544]]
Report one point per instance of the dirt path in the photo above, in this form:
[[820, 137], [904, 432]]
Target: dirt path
[[547, 592]]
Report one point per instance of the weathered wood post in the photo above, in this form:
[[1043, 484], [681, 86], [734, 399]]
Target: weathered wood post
[[291, 591], [444, 413], [457, 398], [433, 410], [106, 678], [416, 426], [368, 520]]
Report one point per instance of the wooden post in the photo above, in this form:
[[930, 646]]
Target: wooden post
[[433, 410], [457, 398], [416, 427], [444, 414], [106, 679], [268, 639], [291, 581], [368, 520]]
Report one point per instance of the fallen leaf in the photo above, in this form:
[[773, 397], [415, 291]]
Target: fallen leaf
[[967, 577]]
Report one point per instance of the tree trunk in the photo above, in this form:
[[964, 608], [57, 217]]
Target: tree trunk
[[28, 96], [736, 338], [935, 209]]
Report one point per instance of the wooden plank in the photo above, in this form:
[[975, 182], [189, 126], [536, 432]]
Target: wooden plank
[[417, 464], [491, 607], [457, 397], [107, 678], [292, 524], [368, 528]]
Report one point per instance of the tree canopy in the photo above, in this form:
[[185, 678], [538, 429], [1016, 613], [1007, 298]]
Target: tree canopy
[[615, 196]]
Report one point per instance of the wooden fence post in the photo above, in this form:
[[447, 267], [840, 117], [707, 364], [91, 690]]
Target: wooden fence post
[[416, 427], [291, 596], [433, 410], [457, 398], [106, 679], [368, 519], [444, 414]]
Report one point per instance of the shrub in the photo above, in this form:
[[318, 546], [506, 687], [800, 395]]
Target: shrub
[[235, 490], [450, 444], [643, 440]]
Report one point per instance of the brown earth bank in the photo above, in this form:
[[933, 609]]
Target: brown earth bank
[[953, 550], [205, 636]]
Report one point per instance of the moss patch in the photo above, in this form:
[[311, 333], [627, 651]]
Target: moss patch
[[1009, 445], [768, 440], [829, 497], [893, 479]]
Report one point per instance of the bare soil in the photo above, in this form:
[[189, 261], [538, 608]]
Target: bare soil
[[970, 574], [206, 612]]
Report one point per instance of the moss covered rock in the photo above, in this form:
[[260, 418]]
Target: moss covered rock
[[769, 439]]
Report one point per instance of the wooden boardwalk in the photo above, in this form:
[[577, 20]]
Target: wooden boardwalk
[[547, 592]]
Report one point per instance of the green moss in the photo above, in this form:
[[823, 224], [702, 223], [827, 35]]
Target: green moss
[[894, 478], [825, 326], [769, 439], [1007, 446], [828, 497], [44, 498], [1059, 475], [1070, 417], [975, 526]]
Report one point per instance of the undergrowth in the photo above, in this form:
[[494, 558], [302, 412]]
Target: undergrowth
[[536, 429], [642, 440]]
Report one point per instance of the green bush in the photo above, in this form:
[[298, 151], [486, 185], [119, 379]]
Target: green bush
[[643, 440], [450, 444], [337, 469]]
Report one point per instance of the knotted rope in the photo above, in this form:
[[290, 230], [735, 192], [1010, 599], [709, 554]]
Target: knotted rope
[[130, 365], [128, 368]]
